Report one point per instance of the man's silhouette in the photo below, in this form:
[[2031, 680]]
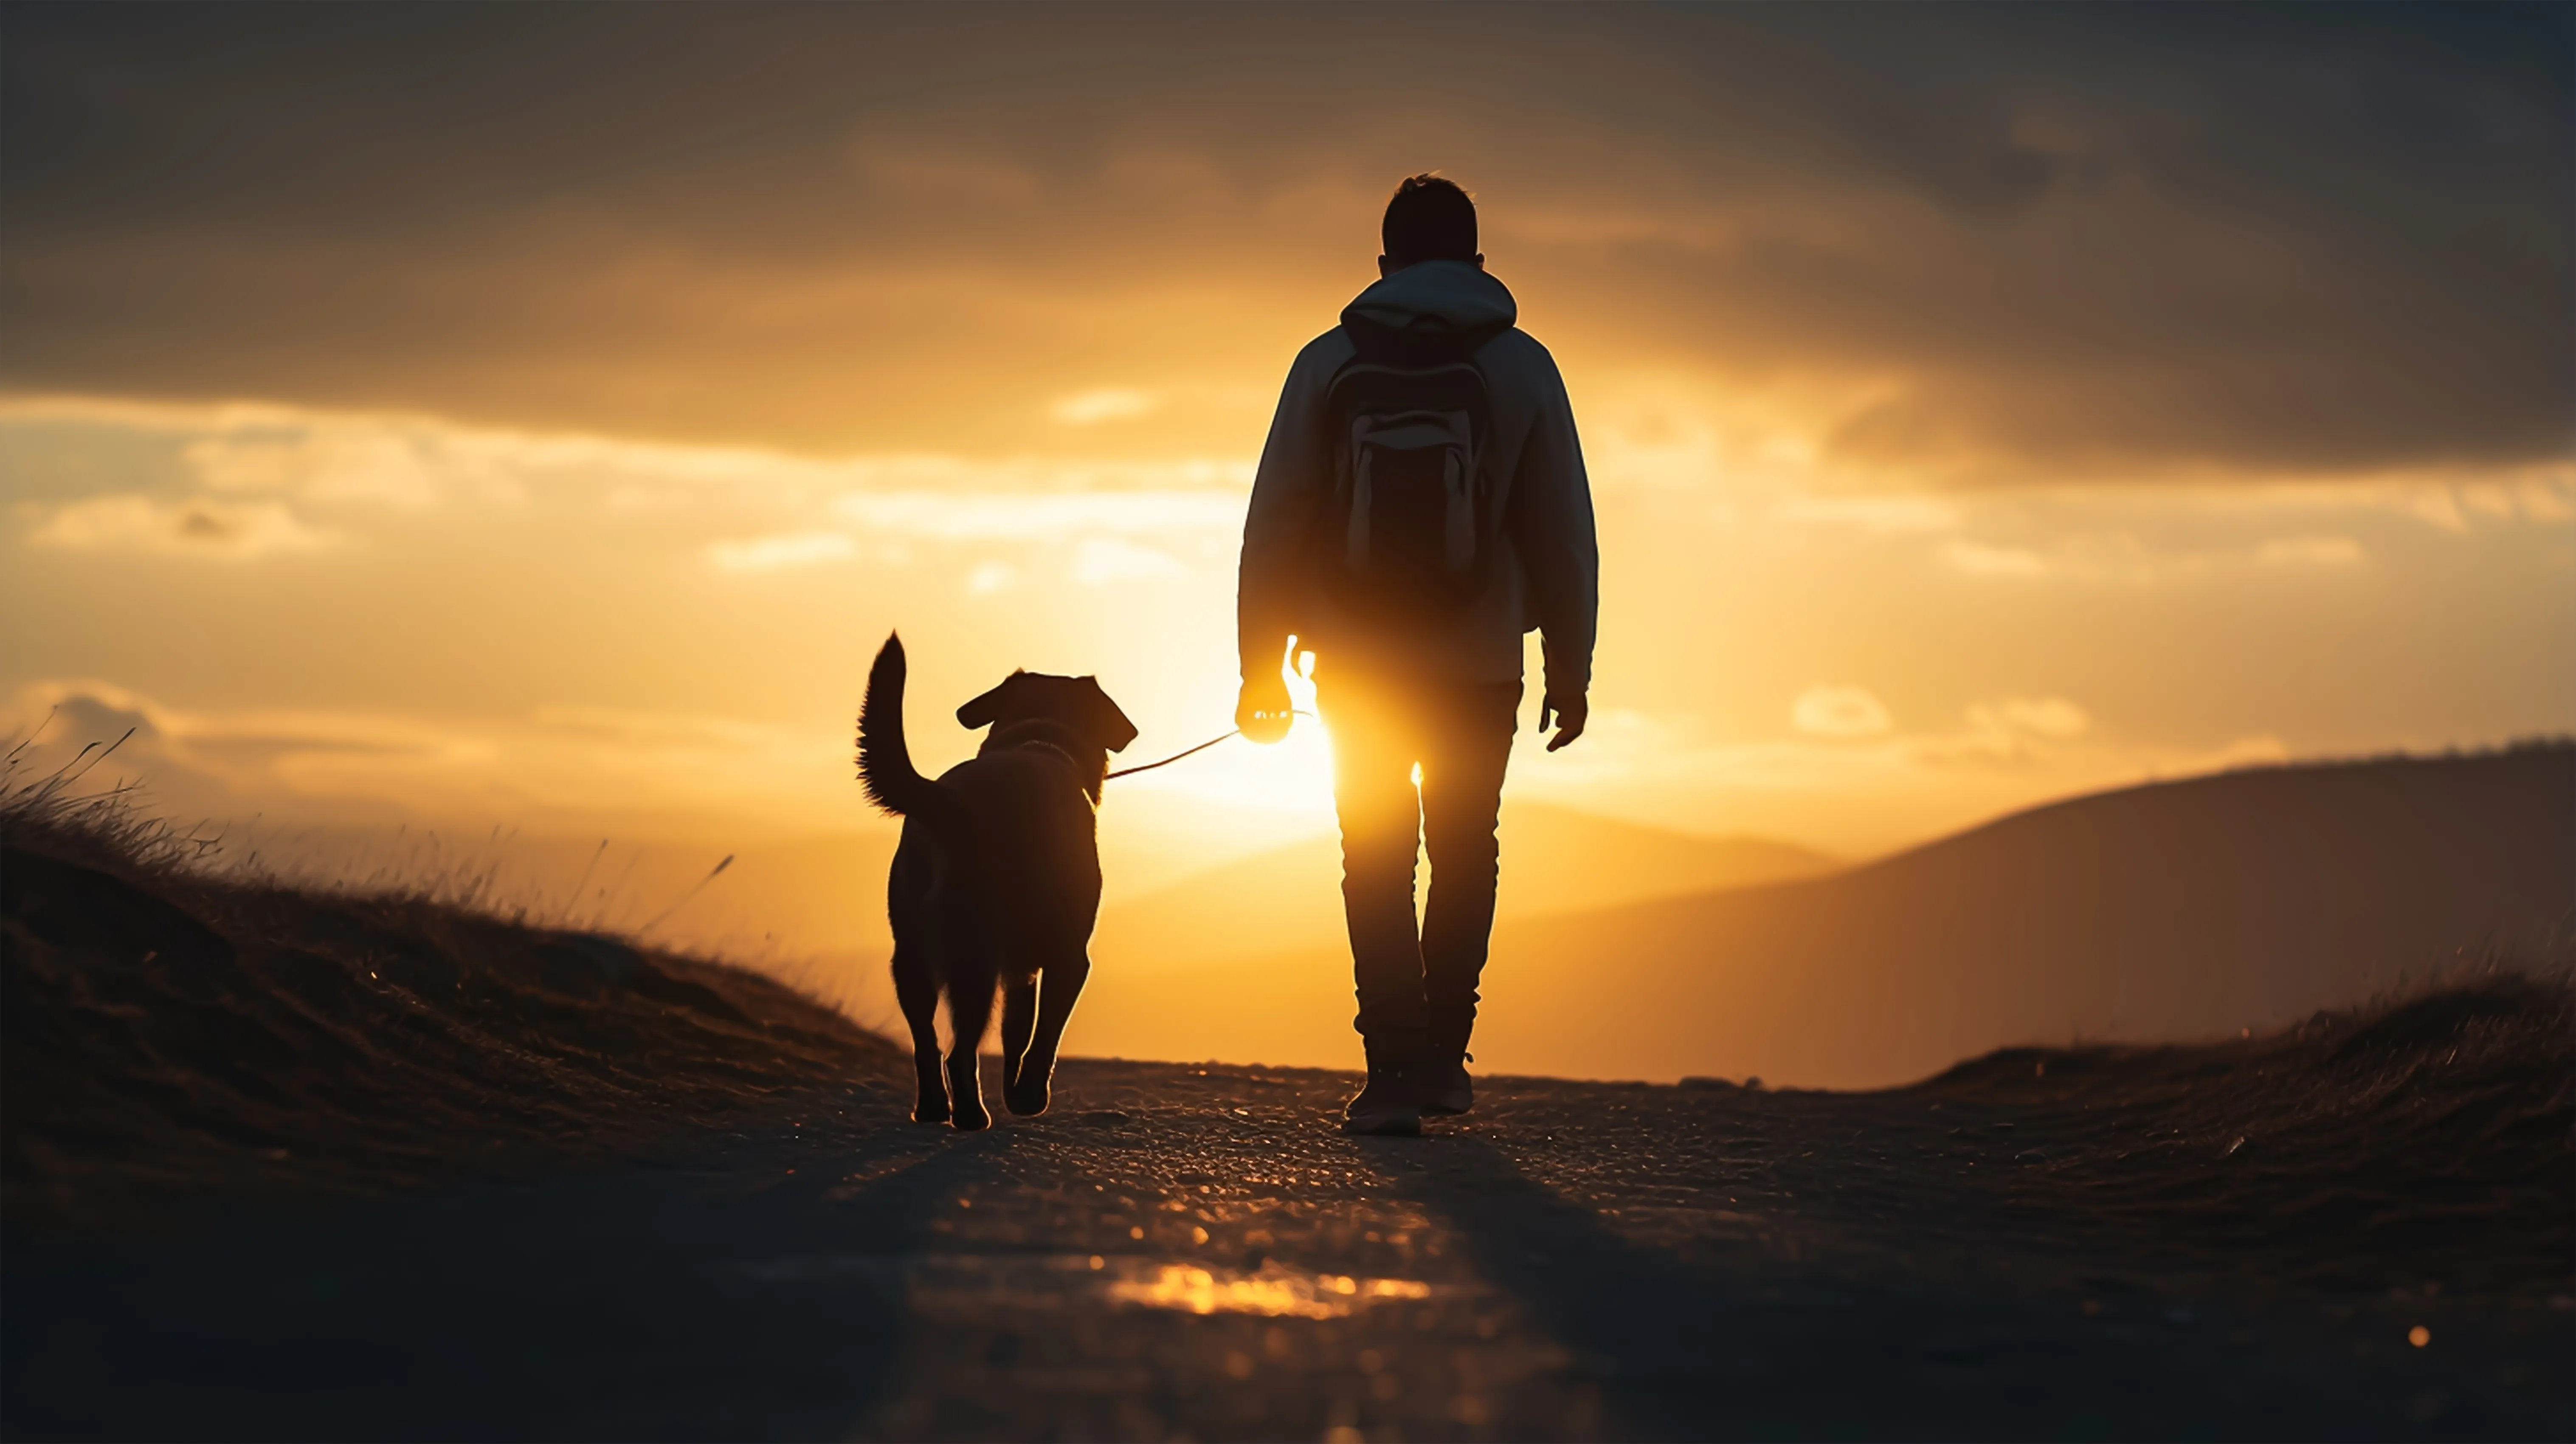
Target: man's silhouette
[[1421, 504]]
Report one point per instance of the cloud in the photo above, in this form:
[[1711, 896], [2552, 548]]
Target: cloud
[[2155, 535], [198, 527], [244, 480], [946, 174], [1980, 560], [1862, 793], [407, 466], [2050, 717], [1987, 247], [1099, 561], [1880, 514], [2312, 551], [780, 553], [2013, 733], [1116, 403], [321, 454], [1997, 729], [1823, 711], [1025, 516], [661, 728], [309, 765], [189, 765]]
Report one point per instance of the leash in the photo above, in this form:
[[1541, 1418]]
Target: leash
[[1191, 752]]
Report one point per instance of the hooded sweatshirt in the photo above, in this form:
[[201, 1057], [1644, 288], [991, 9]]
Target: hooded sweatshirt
[[1547, 576]]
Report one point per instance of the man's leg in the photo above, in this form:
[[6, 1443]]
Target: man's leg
[[1462, 789], [1373, 755], [1381, 817]]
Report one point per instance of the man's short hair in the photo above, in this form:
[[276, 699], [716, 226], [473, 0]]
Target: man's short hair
[[1429, 219]]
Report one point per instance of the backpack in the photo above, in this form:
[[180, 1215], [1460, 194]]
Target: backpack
[[1408, 527]]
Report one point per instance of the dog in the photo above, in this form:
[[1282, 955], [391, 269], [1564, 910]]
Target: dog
[[996, 882]]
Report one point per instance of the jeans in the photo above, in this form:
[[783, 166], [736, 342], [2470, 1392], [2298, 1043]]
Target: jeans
[[1417, 989]]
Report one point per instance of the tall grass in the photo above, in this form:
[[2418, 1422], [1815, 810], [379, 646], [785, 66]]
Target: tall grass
[[109, 824]]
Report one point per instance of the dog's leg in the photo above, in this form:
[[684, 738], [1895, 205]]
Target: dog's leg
[[1019, 1018], [970, 1012], [1058, 986], [916, 987]]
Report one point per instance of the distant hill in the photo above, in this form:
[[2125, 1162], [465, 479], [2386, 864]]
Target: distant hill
[[1554, 860], [2170, 911]]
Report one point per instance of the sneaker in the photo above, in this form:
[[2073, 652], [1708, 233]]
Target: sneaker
[[1385, 1107], [1444, 1088]]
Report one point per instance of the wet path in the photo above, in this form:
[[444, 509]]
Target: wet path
[[1185, 1253]]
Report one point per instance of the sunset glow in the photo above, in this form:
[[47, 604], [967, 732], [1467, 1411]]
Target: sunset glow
[[554, 468]]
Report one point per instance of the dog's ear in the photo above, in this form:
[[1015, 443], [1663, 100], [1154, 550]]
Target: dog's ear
[[993, 706], [1107, 723]]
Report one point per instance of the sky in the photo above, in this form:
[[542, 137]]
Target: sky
[[536, 416]]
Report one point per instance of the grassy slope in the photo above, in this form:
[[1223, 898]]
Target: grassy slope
[[170, 1038], [2430, 1137]]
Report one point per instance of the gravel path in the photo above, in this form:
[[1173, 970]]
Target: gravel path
[[1178, 1252]]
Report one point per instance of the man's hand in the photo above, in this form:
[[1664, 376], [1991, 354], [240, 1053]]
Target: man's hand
[[1569, 717], [1263, 712]]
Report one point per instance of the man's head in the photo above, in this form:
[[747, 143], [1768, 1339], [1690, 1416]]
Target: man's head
[[1428, 219]]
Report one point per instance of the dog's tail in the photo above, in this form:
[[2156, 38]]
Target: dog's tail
[[885, 763]]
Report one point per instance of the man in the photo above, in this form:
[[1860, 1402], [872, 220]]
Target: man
[[1421, 503]]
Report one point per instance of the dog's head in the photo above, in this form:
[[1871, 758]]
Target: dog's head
[[1066, 712]]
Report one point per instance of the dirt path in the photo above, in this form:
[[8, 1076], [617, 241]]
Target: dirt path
[[1178, 1253]]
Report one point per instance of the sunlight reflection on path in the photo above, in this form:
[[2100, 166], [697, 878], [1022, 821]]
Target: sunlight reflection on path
[[1272, 1291], [934, 1280]]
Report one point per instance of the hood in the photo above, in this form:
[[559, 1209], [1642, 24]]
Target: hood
[[1447, 306]]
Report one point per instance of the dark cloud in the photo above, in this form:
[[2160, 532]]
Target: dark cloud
[[2058, 240]]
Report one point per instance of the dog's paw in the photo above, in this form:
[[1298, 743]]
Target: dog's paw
[[1027, 1099], [929, 1091], [966, 1099]]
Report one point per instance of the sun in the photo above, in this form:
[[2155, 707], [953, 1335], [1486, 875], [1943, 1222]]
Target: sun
[[1292, 776]]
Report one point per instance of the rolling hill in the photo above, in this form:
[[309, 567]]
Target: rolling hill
[[2173, 910]]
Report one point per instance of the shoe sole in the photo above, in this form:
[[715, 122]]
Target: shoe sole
[[1433, 1110]]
